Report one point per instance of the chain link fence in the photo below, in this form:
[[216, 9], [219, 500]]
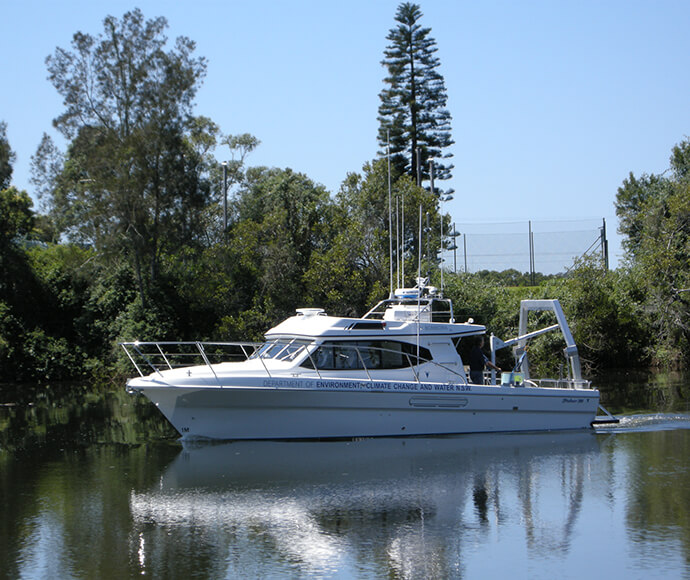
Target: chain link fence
[[547, 247]]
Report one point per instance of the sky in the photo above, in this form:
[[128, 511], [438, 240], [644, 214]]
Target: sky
[[553, 103]]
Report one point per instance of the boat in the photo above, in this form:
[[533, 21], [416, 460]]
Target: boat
[[396, 371]]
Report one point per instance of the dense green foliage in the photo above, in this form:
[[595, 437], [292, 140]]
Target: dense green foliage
[[655, 216], [6, 158], [413, 113], [136, 243], [134, 180]]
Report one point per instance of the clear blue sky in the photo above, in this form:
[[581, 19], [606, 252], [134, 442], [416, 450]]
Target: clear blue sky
[[553, 103]]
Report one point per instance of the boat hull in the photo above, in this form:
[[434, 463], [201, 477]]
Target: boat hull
[[302, 413]]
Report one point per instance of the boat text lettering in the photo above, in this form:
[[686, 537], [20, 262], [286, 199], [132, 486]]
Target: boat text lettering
[[344, 385]]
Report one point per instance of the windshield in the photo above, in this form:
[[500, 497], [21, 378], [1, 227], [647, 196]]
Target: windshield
[[281, 349]]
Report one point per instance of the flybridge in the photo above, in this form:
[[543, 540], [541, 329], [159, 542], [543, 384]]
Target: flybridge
[[419, 304]]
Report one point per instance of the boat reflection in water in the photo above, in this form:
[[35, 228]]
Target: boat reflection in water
[[416, 507]]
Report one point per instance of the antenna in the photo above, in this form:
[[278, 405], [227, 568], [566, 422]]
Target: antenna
[[397, 238], [440, 205], [419, 279], [390, 211], [419, 263], [402, 236]]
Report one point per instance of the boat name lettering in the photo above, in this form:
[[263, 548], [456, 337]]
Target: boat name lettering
[[569, 400], [365, 385], [287, 383]]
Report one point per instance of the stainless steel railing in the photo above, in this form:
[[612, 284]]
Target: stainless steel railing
[[160, 356]]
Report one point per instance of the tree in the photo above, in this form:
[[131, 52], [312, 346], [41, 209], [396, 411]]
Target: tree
[[632, 202], [16, 215], [606, 313], [364, 198], [133, 179], [279, 220], [16, 221], [413, 104], [6, 158], [240, 146], [655, 216], [46, 167]]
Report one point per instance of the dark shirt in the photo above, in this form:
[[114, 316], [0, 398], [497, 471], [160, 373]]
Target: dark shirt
[[477, 359]]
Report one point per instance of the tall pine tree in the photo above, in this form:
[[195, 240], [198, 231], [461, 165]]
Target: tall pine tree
[[413, 104]]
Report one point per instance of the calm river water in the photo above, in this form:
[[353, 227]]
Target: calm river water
[[93, 484]]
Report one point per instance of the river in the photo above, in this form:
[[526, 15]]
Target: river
[[93, 484]]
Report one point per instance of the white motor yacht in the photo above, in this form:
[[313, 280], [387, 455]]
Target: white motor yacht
[[398, 370]]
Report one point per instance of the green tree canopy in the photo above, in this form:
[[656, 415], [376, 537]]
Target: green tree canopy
[[364, 198], [279, 219], [16, 215], [133, 179], [413, 103], [654, 214], [6, 158]]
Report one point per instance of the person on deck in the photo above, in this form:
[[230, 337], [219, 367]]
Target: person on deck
[[477, 361]]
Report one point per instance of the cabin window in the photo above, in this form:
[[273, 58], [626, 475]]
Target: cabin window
[[369, 354], [281, 349], [367, 325]]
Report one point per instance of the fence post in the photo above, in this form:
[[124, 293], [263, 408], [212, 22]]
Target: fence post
[[604, 244]]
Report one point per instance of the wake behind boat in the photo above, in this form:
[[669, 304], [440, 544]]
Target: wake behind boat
[[398, 370]]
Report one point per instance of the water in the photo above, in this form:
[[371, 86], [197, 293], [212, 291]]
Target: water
[[94, 485]]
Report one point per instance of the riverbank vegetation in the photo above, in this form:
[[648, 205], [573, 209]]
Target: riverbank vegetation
[[65, 305], [137, 241]]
